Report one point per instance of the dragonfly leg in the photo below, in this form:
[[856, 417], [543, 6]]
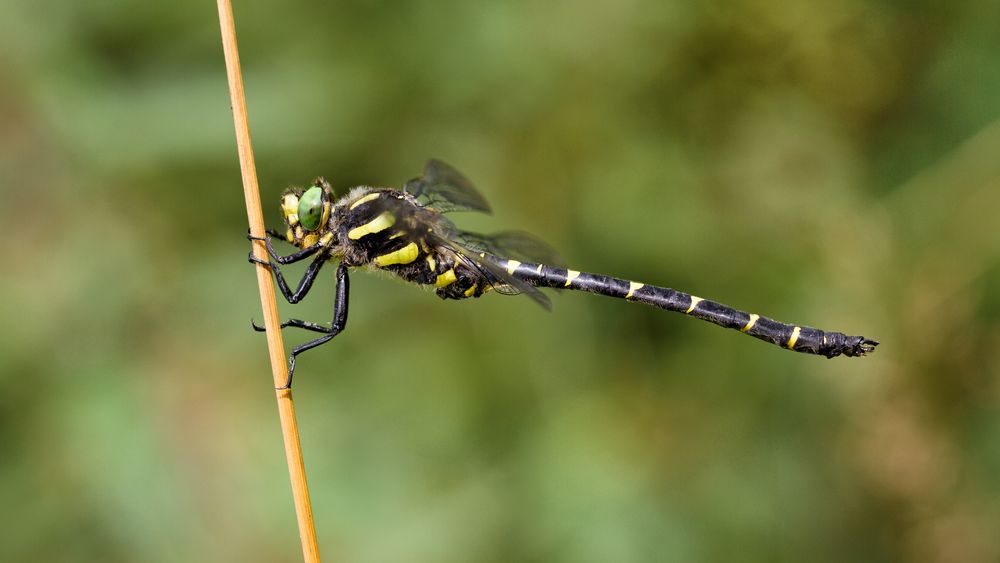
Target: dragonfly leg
[[273, 233], [315, 327], [305, 284], [338, 324], [289, 259]]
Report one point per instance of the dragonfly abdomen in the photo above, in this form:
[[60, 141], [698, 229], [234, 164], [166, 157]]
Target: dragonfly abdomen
[[794, 337]]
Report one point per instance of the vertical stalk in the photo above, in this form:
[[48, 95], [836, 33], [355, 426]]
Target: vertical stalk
[[275, 345]]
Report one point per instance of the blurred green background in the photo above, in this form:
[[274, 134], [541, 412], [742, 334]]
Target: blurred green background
[[829, 163]]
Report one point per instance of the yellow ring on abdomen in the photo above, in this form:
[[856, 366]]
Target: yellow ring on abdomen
[[694, 303], [794, 338], [633, 287], [570, 276]]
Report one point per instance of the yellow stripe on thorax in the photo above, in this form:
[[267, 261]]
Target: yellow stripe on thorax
[[751, 322], [470, 291], [446, 278], [632, 288], [404, 255], [366, 199], [570, 276], [380, 223], [794, 338], [694, 303]]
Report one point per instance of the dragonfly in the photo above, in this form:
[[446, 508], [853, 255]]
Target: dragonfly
[[405, 232]]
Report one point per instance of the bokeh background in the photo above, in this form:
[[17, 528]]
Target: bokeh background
[[830, 163]]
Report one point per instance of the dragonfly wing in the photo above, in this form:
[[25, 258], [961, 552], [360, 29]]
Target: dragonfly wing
[[495, 275], [444, 189], [516, 245]]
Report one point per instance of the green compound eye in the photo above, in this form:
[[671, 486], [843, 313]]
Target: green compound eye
[[311, 208]]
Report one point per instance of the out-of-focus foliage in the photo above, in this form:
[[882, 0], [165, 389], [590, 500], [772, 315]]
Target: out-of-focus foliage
[[828, 163]]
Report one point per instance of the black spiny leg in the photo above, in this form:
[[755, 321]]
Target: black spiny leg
[[336, 326], [305, 284], [290, 259], [315, 327], [307, 280]]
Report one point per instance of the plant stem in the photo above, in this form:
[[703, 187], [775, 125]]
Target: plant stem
[[275, 345]]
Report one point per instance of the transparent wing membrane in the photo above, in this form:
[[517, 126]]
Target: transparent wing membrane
[[444, 189], [493, 274], [516, 245], [506, 284]]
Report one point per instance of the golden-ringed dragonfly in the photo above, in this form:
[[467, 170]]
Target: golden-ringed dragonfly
[[406, 233]]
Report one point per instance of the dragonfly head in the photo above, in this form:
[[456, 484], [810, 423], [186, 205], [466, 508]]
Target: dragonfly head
[[307, 212]]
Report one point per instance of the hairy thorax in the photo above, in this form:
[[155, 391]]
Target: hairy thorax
[[387, 229]]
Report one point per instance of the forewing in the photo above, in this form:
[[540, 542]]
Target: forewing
[[515, 245], [444, 189]]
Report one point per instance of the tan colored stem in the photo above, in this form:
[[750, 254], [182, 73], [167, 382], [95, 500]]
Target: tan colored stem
[[275, 345]]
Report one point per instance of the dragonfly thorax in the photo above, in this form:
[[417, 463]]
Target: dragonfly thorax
[[389, 230]]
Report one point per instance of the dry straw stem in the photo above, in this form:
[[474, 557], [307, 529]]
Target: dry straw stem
[[275, 345]]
